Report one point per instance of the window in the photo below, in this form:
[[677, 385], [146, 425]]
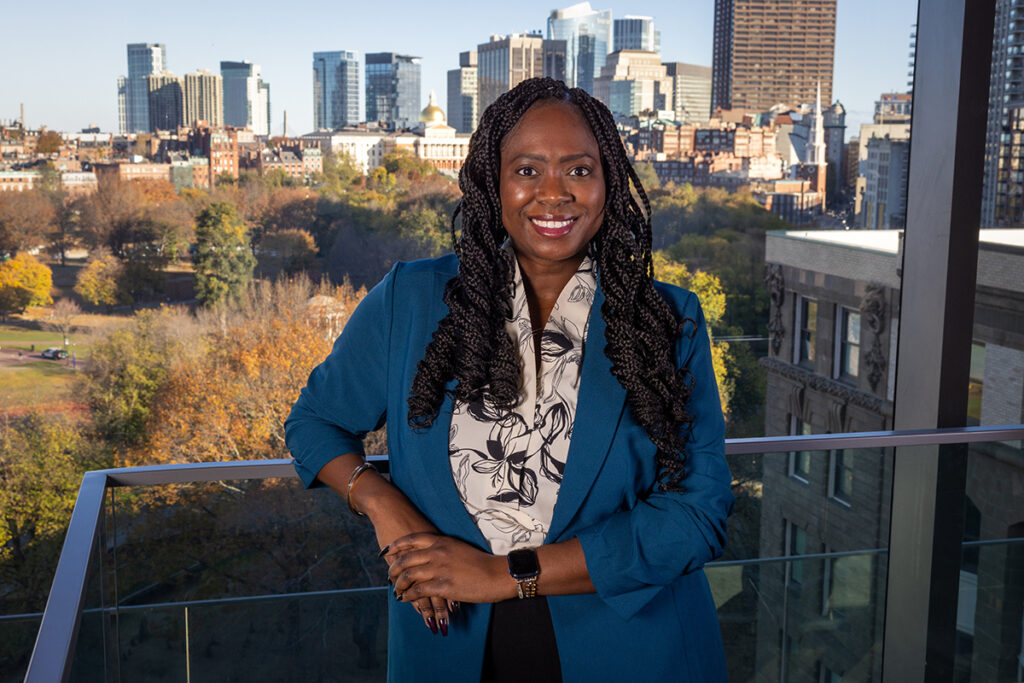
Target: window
[[840, 476], [847, 353], [829, 676], [799, 461], [976, 385], [807, 324], [796, 545]]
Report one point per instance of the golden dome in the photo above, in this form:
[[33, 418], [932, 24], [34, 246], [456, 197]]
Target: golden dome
[[432, 113]]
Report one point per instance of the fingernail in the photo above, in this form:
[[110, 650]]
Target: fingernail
[[432, 625], [384, 550], [398, 596], [444, 626], [455, 609]]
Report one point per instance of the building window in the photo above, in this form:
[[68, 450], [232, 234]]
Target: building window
[[840, 476], [829, 676], [807, 324], [796, 545], [847, 352], [799, 461]]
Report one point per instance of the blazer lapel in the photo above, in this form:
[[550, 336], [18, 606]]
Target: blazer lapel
[[598, 411]]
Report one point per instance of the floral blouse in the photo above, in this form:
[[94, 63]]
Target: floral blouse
[[508, 466]]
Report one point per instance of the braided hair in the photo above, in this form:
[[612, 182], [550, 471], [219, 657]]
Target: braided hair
[[471, 344]]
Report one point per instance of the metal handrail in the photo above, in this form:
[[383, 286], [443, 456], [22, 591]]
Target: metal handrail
[[55, 643]]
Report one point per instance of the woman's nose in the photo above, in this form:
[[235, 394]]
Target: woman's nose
[[553, 189]]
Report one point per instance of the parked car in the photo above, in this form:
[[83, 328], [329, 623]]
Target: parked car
[[55, 353]]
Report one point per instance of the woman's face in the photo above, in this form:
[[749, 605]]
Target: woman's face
[[552, 187]]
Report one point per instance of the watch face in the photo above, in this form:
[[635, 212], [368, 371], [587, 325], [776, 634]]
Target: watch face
[[522, 564]]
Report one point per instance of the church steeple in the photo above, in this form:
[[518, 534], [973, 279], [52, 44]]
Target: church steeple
[[816, 155]]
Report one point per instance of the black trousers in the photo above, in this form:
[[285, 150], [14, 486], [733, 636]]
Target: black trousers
[[521, 645]]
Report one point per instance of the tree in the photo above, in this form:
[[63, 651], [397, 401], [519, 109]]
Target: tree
[[62, 317], [100, 281], [24, 282], [712, 299], [287, 252], [26, 220], [648, 178], [49, 143], [223, 261]]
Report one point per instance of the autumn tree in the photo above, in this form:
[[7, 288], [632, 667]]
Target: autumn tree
[[24, 282], [223, 261], [62, 317], [49, 143], [287, 252], [41, 465], [26, 221], [100, 281], [712, 300]]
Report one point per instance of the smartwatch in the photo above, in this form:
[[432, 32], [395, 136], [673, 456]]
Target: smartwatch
[[524, 568]]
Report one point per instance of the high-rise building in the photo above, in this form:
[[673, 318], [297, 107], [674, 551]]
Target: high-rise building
[[336, 86], [463, 93], [204, 98], [246, 97], [133, 91], [1001, 192], [392, 89], [506, 61], [636, 33], [768, 52], [588, 40], [691, 87], [166, 101], [634, 81]]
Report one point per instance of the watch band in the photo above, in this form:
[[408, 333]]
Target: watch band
[[524, 568]]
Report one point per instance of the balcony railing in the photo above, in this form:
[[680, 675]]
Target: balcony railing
[[224, 571]]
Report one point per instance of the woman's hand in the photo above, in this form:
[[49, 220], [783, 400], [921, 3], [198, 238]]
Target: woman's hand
[[429, 564]]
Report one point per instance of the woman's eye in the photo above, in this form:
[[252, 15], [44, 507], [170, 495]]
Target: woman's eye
[[580, 171], [526, 171]]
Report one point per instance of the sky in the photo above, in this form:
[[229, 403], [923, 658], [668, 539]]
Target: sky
[[63, 63]]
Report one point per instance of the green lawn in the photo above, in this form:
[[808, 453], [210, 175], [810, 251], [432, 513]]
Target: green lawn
[[22, 338], [35, 383]]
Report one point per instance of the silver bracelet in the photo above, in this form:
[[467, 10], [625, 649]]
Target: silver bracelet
[[352, 480]]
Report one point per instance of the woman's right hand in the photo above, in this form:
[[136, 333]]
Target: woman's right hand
[[393, 516]]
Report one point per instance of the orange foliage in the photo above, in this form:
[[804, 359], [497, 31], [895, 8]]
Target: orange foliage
[[229, 400]]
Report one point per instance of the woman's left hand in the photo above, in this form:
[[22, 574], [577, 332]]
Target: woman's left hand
[[431, 565]]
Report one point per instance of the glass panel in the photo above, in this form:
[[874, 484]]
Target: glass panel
[[17, 635], [829, 607]]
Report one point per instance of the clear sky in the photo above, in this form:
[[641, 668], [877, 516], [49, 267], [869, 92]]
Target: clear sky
[[62, 58]]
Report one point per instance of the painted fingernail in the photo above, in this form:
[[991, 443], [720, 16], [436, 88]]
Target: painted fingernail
[[444, 626], [398, 596], [432, 625], [384, 550], [455, 609]]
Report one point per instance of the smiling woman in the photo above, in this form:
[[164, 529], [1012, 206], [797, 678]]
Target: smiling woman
[[563, 536]]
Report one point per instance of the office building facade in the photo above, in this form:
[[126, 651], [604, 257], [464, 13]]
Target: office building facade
[[636, 33], [588, 40], [166, 101], [464, 94], [634, 81], [768, 52], [246, 97], [144, 59], [507, 61], [336, 87], [1001, 193], [392, 89], [204, 98], [691, 89]]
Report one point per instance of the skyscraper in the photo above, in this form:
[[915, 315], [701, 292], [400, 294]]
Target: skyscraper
[[636, 33], [463, 93], [692, 90], [166, 101], [1002, 202], [204, 98], [634, 81], [392, 89], [506, 61], [336, 86], [133, 91], [768, 52], [588, 40], [246, 97]]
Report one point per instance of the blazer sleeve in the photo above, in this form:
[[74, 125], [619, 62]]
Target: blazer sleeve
[[632, 554], [346, 395]]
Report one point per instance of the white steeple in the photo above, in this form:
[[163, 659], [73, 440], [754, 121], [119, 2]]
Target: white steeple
[[816, 154]]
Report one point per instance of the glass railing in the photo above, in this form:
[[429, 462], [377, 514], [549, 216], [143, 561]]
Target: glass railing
[[233, 571]]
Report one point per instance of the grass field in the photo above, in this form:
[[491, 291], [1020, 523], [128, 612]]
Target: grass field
[[39, 384]]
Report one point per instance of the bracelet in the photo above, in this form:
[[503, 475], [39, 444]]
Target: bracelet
[[352, 480]]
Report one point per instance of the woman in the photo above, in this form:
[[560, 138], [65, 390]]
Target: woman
[[585, 483]]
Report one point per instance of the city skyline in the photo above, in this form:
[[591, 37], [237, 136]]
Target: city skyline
[[871, 58]]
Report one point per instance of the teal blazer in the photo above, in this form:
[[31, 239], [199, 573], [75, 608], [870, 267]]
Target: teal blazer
[[652, 618]]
